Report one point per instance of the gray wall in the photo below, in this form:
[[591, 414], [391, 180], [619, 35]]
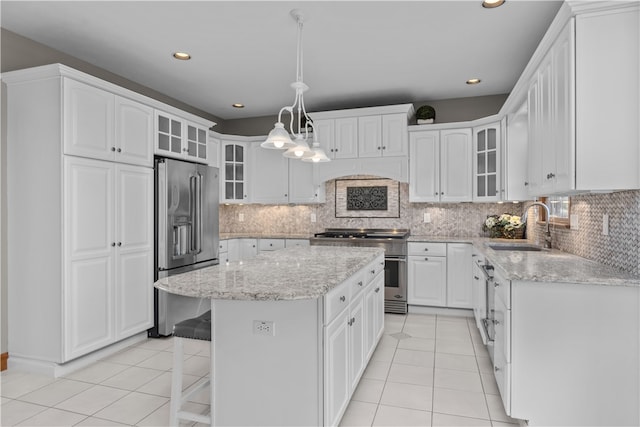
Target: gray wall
[[17, 52], [447, 111]]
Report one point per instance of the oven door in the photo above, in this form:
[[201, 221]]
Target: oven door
[[395, 278]]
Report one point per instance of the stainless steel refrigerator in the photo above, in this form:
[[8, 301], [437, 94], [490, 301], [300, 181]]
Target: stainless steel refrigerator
[[187, 234]]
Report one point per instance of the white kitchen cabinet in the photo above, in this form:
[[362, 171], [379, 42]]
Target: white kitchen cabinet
[[370, 136], [214, 144], [89, 221], [223, 251], [479, 293], [336, 367], [514, 158], [459, 275], [456, 165], [266, 245], [383, 135], [575, 144], [374, 314], [109, 253], [180, 138], [104, 126], [240, 249], [270, 172], [427, 280], [486, 164], [357, 340], [338, 137], [440, 165], [234, 183], [279, 180], [292, 243]]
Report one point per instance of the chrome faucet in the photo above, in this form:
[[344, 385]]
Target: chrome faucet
[[547, 236]]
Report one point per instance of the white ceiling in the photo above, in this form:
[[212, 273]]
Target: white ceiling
[[356, 53]]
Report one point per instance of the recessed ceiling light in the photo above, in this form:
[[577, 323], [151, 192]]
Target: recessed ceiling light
[[490, 4], [183, 56], [237, 105], [473, 81]]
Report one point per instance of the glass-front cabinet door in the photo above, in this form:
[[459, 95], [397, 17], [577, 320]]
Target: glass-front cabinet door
[[169, 134], [234, 181], [486, 167]]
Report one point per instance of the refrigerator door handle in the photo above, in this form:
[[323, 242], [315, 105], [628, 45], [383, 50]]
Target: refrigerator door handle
[[196, 213]]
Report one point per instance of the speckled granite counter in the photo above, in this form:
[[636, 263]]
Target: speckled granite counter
[[543, 266], [287, 274]]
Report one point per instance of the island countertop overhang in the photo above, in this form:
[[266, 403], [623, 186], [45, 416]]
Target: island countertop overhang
[[287, 274]]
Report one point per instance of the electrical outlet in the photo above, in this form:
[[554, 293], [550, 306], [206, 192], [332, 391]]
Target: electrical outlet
[[573, 219], [313, 217], [264, 327], [427, 217], [605, 224], [241, 217]]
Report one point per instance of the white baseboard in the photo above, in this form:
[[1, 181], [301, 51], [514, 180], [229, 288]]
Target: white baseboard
[[459, 312], [57, 370]]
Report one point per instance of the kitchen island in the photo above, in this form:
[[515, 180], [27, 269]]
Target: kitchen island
[[292, 331]]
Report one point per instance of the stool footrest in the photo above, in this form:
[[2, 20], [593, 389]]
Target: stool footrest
[[192, 416], [194, 388]]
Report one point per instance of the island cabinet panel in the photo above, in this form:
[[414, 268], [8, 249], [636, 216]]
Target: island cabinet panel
[[581, 341]]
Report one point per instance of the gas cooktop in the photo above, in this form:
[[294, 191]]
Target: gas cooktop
[[363, 233]]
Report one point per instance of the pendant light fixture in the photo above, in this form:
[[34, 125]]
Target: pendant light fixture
[[279, 137]]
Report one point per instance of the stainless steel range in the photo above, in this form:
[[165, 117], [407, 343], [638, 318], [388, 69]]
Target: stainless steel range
[[394, 243]]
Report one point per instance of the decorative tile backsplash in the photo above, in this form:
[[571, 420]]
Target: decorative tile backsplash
[[620, 249]]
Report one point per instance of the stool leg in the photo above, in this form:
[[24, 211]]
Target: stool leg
[[176, 381]]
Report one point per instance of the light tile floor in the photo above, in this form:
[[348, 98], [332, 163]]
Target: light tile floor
[[427, 371]]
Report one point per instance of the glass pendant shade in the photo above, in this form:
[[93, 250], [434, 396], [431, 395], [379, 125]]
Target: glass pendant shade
[[278, 138], [301, 150], [319, 155]]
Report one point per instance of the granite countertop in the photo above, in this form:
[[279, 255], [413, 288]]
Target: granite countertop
[[226, 236], [285, 274], [550, 266]]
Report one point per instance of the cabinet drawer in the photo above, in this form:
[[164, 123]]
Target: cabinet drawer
[[502, 288], [502, 325], [271, 244], [360, 281], [373, 269], [223, 247], [290, 243], [423, 248], [502, 372], [337, 300]]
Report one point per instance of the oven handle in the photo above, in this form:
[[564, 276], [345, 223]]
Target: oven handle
[[395, 258], [487, 269]]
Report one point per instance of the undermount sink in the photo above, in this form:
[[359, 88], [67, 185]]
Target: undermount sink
[[514, 247]]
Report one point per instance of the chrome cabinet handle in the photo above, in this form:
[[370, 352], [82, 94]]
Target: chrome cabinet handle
[[377, 289], [360, 283], [373, 272], [343, 298], [119, 150], [476, 277], [496, 369], [113, 148], [119, 244], [113, 244]]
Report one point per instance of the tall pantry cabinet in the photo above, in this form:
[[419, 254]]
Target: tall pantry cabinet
[[80, 216]]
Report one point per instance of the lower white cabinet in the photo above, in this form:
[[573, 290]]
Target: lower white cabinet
[[239, 249], [350, 337], [266, 245], [439, 274]]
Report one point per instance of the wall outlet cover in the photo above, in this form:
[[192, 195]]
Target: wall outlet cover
[[241, 217], [313, 217], [264, 327], [573, 219], [427, 217], [605, 224]]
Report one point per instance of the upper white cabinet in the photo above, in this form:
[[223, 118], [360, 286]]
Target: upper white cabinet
[[383, 135], [440, 166], [514, 157], [233, 181], [276, 179], [104, 126], [214, 150], [364, 132], [583, 106], [180, 138], [486, 164]]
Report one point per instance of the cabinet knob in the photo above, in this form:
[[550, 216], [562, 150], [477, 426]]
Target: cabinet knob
[[426, 259], [377, 289], [119, 244], [426, 249], [113, 244], [496, 284], [360, 283], [552, 175], [343, 298], [476, 277], [379, 148], [384, 147], [184, 149], [496, 369], [496, 322], [526, 183], [119, 150], [113, 148], [373, 272], [442, 193], [286, 195]]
